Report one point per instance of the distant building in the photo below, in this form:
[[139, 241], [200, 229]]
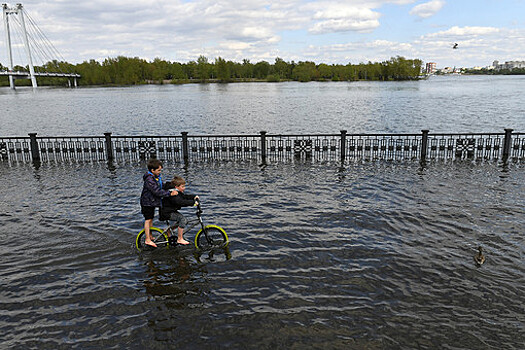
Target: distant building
[[510, 65], [430, 68]]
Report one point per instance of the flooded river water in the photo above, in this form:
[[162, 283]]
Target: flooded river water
[[372, 255]]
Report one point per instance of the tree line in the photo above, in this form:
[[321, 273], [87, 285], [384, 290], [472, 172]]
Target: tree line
[[131, 71]]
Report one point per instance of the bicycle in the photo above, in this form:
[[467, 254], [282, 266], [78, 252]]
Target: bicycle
[[208, 237]]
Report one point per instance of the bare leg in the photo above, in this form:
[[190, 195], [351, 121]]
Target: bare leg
[[181, 239], [147, 225]]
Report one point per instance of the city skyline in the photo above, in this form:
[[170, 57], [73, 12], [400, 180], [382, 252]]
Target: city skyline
[[333, 32]]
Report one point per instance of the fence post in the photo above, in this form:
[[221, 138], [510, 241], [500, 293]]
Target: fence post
[[185, 152], [343, 146], [35, 152], [109, 146], [506, 144], [263, 147], [424, 145]]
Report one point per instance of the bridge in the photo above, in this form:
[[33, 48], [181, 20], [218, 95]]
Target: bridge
[[34, 41], [26, 75]]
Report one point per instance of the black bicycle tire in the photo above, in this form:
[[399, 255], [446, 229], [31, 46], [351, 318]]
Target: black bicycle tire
[[216, 233], [157, 234]]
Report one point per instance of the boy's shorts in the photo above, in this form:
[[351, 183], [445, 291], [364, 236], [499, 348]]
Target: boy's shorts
[[177, 219], [148, 212]]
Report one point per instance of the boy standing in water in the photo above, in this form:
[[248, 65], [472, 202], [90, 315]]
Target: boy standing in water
[[170, 207], [152, 192]]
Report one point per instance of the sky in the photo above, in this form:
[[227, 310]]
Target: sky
[[322, 31]]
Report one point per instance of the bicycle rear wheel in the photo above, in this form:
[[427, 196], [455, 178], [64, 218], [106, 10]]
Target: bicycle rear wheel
[[212, 236], [159, 237]]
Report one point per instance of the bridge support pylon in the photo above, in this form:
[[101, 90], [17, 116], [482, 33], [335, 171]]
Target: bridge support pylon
[[18, 10]]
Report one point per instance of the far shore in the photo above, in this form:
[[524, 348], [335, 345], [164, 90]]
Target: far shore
[[232, 81]]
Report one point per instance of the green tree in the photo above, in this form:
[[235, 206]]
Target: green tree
[[160, 70], [223, 70], [261, 69], [91, 73], [283, 69], [123, 70], [247, 69], [399, 68], [177, 71], [373, 71], [190, 69], [305, 71], [203, 68], [325, 71]]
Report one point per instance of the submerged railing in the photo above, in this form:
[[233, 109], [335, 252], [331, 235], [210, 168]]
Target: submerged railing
[[264, 147]]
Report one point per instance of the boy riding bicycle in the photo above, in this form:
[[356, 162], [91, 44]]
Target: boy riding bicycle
[[152, 192], [171, 206]]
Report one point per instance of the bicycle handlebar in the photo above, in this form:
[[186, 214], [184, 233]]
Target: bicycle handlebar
[[198, 205]]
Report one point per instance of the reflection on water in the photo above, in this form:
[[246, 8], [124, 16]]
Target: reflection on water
[[371, 255]]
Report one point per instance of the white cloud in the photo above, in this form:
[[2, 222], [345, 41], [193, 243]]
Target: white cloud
[[337, 17], [464, 31], [174, 28], [343, 25], [344, 11], [255, 33], [181, 30], [476, 46], [427, 9], [235, 45], [356, 52]]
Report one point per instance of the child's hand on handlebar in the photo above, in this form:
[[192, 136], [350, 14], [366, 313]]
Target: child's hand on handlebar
[[173, 192]]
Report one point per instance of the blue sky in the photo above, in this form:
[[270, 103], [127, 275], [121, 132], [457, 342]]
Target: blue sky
[[323, 31]]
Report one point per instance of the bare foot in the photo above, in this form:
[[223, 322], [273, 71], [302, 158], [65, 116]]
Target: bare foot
[[150, 243], [183, 241]]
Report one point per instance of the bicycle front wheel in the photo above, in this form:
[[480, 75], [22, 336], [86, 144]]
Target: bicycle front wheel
[[212, 236], [159, 237]]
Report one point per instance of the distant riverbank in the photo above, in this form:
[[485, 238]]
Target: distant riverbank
[[27, 83], [121, 71]]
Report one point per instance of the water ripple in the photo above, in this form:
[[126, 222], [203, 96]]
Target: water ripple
[[368, 256]]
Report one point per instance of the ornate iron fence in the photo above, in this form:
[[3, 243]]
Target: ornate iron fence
[[15, 149], [289, 147], [130, 148], [221, 147], [387, 147], [470, 146], [517, 150], [265, 147], [82, 148]]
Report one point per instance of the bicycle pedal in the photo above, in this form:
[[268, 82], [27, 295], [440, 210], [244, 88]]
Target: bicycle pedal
[[172, 241]]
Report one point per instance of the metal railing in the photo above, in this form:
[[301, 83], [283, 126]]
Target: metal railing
[[264, 147]]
